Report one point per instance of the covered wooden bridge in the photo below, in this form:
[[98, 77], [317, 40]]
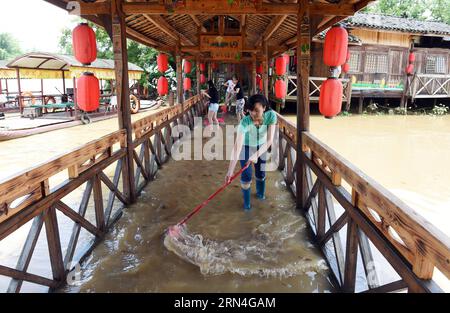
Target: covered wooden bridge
[[317, 175]]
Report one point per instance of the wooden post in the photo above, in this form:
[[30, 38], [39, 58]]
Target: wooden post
[[7, 89], [303, 57], [198, 74], [75, 106], [254, 74], [1, 87], [360, 105], [123, 100], [64, 83], [179, 79], [266, 70], [42, 90], [19, 89]]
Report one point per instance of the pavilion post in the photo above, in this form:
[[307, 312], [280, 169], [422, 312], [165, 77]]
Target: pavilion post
[[179, 78], [75, 106], [7, 89], [123, 100], [198, 74], [42, 90], [64, 82], [254, 75], [303, 65], [19, 89], [266, 70], [1, 87]]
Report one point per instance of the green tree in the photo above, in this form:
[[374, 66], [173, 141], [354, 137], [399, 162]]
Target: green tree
[[9, 46], [438, 10]]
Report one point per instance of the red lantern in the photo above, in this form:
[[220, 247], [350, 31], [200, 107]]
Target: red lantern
[[187, 84], [88, 92], [346, 68], [286, 58], [163, 86], [162, 61], [261, 85], [258, 80], [280, 66], [410, 69], [280, 89], [84, 44], [187, 67], [330, 100], [259, 69], [214, 66], [411, 57], [336, 46], [202, 79], [202, 67]]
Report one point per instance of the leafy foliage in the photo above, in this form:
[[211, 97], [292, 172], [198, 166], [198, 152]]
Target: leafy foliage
[[438, 10], [9, 46]]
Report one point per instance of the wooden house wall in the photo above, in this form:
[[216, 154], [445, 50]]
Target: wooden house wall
[[382, 38], [379, 66]]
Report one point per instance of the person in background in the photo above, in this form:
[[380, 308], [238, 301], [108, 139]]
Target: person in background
[[229, 94], [213, 96], [255, 136], [240, 102]]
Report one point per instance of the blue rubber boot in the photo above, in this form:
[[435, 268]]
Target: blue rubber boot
[[246, 194], [261, 189]]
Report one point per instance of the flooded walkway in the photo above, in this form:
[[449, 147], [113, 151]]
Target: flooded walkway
[[264, 250]]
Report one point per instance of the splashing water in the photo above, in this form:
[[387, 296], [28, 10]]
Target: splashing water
[[265, 253]]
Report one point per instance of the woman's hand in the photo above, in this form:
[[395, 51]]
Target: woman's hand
[[228, 178], [253, 158]]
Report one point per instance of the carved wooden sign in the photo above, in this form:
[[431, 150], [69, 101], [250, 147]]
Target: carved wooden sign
[[220, 43], [222, 4], [226, 55]]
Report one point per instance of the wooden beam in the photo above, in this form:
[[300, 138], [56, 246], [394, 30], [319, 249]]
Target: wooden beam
[[271, 29], [198, 23], [123, 102], [243, 22], [303, 65], [83, 8], [135, 35], [223, 8], [77, 218], [163, 25], [221, 25]]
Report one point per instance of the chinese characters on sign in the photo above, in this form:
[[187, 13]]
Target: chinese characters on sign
[[220, 43]]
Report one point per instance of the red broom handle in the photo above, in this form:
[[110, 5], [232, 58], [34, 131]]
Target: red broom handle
[[200, 206]]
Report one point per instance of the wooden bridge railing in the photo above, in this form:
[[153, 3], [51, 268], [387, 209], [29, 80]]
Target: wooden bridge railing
[[29, 197], [314, 88], [429, 86], [373, 216]]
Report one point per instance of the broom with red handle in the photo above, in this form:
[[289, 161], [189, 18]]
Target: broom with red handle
[[174, 230]]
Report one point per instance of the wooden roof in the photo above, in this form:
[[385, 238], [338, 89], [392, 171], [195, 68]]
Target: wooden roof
[[163, 27]]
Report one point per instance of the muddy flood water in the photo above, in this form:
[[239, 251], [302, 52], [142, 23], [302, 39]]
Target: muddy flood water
[[226, 249]]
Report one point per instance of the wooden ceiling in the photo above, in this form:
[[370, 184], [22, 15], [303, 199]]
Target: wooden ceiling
[[151, 22]]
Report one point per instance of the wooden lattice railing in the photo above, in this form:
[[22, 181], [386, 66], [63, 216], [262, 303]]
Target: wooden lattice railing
[[373, 216], [429, 86], [29, 196]]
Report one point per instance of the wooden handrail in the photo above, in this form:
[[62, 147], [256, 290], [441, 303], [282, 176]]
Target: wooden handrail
[[421, 243]]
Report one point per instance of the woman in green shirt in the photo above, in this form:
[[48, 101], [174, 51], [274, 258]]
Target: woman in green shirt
[[254, 137]]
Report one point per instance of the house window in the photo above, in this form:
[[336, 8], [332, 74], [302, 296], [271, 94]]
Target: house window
[[354, 62], [376, 63], [436, 64]]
